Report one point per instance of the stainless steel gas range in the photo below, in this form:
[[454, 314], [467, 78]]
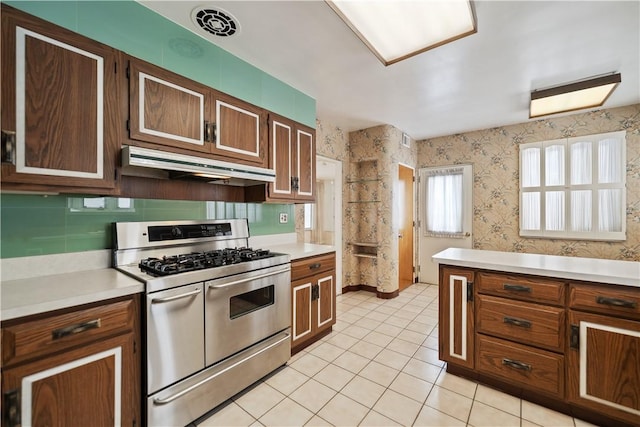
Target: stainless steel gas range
[[217, 315]]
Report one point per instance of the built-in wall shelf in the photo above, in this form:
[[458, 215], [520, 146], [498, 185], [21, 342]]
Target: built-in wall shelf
[[365, 249], [360, 181], [364, 201]]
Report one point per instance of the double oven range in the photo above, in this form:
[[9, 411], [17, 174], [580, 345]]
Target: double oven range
[[217, 315]]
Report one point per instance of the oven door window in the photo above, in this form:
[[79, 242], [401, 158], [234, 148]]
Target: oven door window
[[251, 301]]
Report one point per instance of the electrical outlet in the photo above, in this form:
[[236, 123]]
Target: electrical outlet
[[284, 218]]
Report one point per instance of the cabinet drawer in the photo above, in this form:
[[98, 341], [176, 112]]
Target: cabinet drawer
[[313, 265], [58, 332], [526, 288], [606, 299], [520, 365], [527, 323]]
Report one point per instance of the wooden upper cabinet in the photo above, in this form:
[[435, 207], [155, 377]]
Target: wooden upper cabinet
[[292, 154], [240, 131], [59, 107], [167, 109]]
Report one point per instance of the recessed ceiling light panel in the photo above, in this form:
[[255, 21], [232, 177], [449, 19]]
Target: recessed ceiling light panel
[[215, 21], [396, 30], [579, 95]]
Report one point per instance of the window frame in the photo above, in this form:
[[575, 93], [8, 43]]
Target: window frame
[[567, 188]]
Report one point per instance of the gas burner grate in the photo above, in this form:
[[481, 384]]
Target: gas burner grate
[[182, 263]]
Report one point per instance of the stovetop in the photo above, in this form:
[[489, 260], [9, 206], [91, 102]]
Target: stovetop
[[181, 263]]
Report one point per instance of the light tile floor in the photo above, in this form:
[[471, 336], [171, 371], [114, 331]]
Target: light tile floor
[[379, 367]]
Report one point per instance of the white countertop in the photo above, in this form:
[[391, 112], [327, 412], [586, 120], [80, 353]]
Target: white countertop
[[587, 269], [302, 250], [24, 297]]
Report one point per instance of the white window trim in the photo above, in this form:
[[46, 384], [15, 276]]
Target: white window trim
[[567, 188]]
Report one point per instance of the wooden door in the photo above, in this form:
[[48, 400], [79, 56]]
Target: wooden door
[[62, 126], [281, 157], [305, 179], [405, 226], [456, 326], [301, 320], [91, 385], [240, 131], [603, 362], [326, 310], [168, 109]]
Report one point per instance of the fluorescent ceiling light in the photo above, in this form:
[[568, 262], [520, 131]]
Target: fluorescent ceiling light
[[398, 29], [574, 96]]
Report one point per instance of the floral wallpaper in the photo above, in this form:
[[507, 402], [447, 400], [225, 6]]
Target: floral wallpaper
[[494, 155], [370, 214]]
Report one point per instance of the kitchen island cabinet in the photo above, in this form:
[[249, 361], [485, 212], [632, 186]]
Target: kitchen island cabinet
[[563, 332], [58, 130], [78, 366], [313, 299]]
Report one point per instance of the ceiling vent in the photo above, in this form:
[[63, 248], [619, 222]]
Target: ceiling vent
[[215, 21]]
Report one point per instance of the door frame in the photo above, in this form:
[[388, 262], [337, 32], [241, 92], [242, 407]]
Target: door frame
[[337, 210]]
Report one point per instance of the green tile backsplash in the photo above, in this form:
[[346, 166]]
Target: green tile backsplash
[[40, 225]]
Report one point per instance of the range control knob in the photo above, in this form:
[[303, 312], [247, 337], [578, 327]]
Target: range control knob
[[176, 232]]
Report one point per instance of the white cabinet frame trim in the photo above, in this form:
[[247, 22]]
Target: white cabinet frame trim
[[293, 327], [583, 363], [221, 146], [141, 90], [463, 307], [21, 167], [330, 280], [27, 382]]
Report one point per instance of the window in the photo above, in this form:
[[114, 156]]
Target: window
[[574, 188], [445, 201]]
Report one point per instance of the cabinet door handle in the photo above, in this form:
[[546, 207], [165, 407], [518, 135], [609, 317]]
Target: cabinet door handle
[[516, 364], [8, 147], [315, 266], [517, 288], [207, 131], [616, 302], [516, 322], [75, 329], [315, 292]]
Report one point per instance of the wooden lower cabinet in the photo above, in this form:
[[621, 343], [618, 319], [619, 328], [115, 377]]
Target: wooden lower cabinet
[[313, 299], [456, 325], [81, 369], [571, 346], [604, 365]]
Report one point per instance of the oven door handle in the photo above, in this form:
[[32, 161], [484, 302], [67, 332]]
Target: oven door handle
[[175, 297], [179, 394], [249, 279]]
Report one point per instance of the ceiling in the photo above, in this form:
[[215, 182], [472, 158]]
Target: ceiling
[[478, 82]]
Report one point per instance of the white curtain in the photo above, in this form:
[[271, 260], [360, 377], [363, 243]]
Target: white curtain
[[554, 165], [581, 163], [581, 210], [530, 211], [444, 203], [554, 210], [609, 208], [609, 161], [530, 167]]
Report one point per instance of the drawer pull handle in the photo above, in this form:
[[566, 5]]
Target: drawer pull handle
[[517, 322], [315, 266], [75, 329], [516, 364], [616, 302], [517, 288]]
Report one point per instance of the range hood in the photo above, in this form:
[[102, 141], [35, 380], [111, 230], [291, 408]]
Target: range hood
[[161, 164]]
